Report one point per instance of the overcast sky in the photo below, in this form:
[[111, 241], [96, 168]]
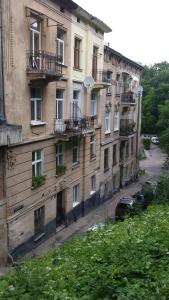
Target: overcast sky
[[140, 28]]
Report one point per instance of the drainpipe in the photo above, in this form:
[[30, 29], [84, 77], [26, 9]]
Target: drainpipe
[[2, 114]]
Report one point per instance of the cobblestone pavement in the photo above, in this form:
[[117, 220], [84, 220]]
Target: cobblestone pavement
[[152, 166]]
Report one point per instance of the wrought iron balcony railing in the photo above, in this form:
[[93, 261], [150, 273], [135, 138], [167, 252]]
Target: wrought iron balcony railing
[[44, 62], [128, 97], [126, 127], [75, 125], [101, 76]]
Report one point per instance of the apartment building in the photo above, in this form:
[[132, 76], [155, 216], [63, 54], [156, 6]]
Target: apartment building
[[50, 122], [121, 119]]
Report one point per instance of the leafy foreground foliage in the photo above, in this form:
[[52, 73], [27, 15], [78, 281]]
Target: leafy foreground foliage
[[162, 190], [126, 260]]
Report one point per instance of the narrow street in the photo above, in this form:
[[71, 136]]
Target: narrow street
[[153, 164], [153, 169]]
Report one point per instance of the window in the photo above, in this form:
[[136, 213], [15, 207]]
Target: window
[[36, 105], [106, 188], [35, 41], [114, 155], [106, 159], [59, 104], [60, 45], [39, 220], [107, 122], [92, 146], [76, 101], [94, 97], [59, 155], [75, 195], [93, 184], [116, 120], [77, 53], [36, 163], [109, 90], [132, 145], [127, 149], [75, 152], [94, 63]]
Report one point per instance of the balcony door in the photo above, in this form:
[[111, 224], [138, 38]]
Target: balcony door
[[35, 42], [59, 126], [60, 209], [76, 111]]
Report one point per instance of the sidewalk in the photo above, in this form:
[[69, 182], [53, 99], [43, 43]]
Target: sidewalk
[[97, 215]]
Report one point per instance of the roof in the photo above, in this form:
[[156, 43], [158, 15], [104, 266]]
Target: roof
[[122, 57], [93, 20], [73, 6]]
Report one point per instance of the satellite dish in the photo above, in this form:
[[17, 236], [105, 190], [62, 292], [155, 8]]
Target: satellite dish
[[88, 82]]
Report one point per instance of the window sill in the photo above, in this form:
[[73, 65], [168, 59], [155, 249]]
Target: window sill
[[39, 237], [37, 123], [92, 158], [116, 129], [107, 132], [77, 69], [75, 204], [92, 192], [75, 165]]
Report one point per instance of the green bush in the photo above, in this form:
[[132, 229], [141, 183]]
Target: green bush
[[162, 190], [123, 261], [146, 143]]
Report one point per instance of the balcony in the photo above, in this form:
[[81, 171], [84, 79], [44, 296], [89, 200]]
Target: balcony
[[44, 66], [10, 134], [128, 98], [74, 126], [101, 78], [127, 127]]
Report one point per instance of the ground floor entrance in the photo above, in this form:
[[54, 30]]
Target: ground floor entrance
[[60, 208]]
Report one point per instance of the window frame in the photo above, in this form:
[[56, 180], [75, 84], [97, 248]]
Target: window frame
[[107, 119], [60, 43], [59, 155], [76, 194], [36, 162], [93, 184], [116, 120], [77, 53], [61, 100], [39, 221], [92, 146], [75, 147], [94, 103], [106, 159], [34, 102], [114, 154]]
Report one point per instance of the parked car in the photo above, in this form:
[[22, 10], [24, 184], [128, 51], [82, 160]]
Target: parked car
[[125, 206], [154, 140], [146, 195]]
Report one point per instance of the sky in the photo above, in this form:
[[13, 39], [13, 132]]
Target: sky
[[140, 28]]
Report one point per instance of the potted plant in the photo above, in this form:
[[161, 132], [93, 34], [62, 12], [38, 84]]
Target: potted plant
[[60, 169], [38, 180]]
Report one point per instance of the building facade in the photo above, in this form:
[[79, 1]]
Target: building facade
[[64, 154]]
